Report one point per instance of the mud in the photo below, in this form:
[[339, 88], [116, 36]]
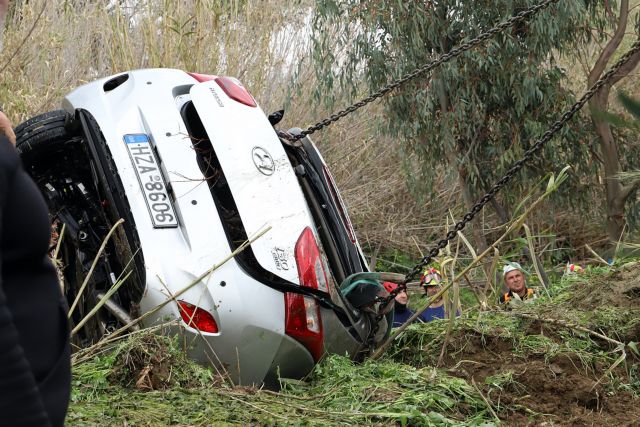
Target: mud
[[621, 289], [558, 391], [567, 388]]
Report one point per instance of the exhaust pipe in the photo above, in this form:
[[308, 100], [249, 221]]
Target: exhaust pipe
[[118, 312]]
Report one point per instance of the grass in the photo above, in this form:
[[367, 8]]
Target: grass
[[338, 392], [482, 372]]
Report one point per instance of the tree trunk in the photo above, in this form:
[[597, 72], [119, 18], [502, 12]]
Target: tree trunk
[[612, 185], [453, 159], [469, 201], [616, 193], [454, 156]]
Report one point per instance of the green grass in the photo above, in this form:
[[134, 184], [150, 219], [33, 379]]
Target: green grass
[[402, 388], [338, 392]]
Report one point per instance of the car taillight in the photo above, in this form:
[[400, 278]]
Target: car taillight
[[197, 318], [234, 90], [311, 269], [302, 322], [302, 313], [340, 204], [202, 77]]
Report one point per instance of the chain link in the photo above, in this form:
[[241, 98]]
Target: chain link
[[521, 16], [515, 168]]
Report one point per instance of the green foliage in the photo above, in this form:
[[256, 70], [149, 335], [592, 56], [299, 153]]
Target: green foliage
[[632, 105], [474, 115], [507, 357], [395, 261], [339, 392], [467, 298], [416, 395]]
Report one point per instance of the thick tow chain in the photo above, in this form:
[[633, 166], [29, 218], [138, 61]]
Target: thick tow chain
[[453, 53], [515, 168], [479, 39], [528, 155], [551, 131]]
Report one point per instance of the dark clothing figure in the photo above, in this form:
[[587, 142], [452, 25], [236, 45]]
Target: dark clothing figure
[[35, 372], [401, 314], [432, 313]]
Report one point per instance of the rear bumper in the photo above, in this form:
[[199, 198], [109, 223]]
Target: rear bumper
[[258, 356], [264, 356]]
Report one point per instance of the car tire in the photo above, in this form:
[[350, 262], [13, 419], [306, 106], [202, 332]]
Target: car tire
[[36, 139], [41, 134]]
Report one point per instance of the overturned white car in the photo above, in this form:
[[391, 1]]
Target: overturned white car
[[195, 169]]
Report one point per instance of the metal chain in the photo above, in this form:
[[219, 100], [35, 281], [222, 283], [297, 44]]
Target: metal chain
[[555, 128], [521, 16], [515, 168]]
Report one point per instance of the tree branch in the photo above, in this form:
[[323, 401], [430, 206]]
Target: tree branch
[[625, 69], [628, 189], [612, 45]]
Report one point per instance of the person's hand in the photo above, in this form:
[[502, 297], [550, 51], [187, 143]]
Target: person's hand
[[6, 128]]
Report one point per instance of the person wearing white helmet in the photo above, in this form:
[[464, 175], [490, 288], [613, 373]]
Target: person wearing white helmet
[[515, 280]]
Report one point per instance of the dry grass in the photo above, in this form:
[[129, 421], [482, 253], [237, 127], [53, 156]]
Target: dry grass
[[262, 43], [266, 45], [71, 45]]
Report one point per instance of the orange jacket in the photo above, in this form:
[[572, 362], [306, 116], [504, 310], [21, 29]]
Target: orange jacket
[[508, 296]]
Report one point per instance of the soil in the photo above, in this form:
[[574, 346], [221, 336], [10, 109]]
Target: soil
[[146, 366], [562, 390], [621, 289], [151, 365]]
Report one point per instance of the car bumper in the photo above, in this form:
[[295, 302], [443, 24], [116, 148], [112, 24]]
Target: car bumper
[[258, 356]]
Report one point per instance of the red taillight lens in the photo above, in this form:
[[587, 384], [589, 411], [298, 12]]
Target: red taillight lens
[[302, 322], [302, 313], [311, 270], [235, 91], [202, 77], [197, 318]]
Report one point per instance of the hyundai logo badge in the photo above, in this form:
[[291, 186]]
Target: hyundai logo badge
[[263, 161]]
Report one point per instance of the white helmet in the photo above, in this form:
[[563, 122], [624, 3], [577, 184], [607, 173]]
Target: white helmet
[[510, 267]]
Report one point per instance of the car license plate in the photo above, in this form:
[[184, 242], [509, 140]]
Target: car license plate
[[151, 181]]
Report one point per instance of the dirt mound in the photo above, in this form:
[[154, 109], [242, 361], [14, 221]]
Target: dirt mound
[[154, 362], [555, 362], [619, 289], [610, 303], [561, 389]]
